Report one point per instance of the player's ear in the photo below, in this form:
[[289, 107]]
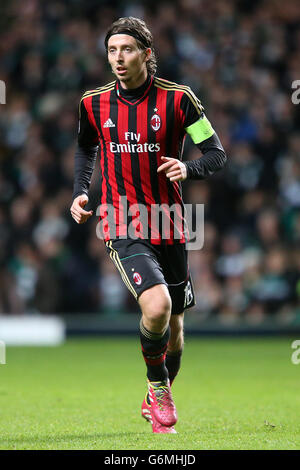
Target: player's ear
[[148, 53]]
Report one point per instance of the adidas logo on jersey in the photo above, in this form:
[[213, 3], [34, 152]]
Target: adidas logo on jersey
[[109, 123]]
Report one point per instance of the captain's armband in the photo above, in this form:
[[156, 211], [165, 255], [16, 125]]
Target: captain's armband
[[200, 130]]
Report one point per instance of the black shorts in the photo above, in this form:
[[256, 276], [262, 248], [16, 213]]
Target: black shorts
[[143, 265]]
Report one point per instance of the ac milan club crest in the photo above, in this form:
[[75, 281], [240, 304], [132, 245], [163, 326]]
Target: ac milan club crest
[[137, 278], [155, 122]]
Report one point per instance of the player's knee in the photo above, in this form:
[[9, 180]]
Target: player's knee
[[156, 301], [161, 309], [158, 311]]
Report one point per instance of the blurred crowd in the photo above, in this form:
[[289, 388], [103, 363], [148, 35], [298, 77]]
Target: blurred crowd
[[240, 58]]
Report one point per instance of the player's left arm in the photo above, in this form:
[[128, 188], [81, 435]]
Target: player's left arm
[[204, 137]]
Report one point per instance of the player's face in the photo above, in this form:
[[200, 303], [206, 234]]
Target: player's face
[[127, 61]]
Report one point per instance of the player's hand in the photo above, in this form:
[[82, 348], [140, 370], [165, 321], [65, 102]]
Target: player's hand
[[77, 211], [175, 170]]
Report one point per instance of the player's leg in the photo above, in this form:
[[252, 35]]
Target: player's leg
[[141, 272], [173, 359], [176, 341], [176, 272], [137, 262], [139, 268], [175, 346], [158, 406], [155, 304]]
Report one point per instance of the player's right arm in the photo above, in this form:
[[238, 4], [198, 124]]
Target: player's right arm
[[85, 158]]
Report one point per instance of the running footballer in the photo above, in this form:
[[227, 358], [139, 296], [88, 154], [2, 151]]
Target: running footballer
[[137, 124]]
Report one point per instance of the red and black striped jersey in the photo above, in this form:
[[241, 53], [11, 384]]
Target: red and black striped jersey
[[132, 137]]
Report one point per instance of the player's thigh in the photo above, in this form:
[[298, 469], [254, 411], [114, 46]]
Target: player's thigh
[[174, 262], [138, 266]]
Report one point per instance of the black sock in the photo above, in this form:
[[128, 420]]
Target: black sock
[[173, 360], [154, 348]]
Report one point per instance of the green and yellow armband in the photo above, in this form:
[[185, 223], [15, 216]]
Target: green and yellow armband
[[200, 130]]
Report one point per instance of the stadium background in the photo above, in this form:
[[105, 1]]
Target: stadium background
[[240, 58]]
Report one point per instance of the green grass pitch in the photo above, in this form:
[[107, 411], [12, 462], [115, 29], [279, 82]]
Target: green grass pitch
[[231, 393]]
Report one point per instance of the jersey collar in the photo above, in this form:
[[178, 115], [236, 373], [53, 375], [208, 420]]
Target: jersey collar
[[136, 95]]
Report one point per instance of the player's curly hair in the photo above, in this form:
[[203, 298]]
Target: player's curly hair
[[140, 31]]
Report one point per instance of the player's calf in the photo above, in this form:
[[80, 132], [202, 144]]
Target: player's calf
[[154, 349]]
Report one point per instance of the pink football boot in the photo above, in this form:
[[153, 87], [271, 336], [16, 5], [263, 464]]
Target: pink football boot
[[162, 405], [156, 426]]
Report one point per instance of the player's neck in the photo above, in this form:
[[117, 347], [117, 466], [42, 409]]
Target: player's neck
[[132, 94], [136, 82]]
